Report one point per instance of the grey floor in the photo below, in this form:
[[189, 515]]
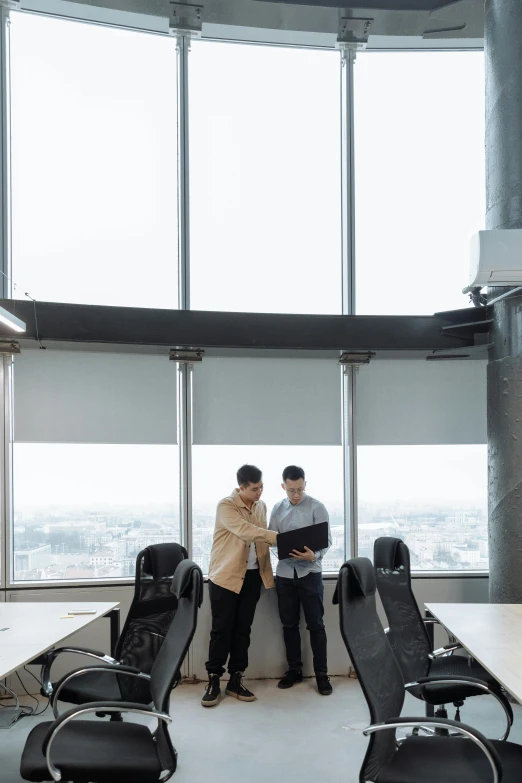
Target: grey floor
[[297, 735]]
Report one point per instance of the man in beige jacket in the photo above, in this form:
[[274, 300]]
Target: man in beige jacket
[[239, 565]]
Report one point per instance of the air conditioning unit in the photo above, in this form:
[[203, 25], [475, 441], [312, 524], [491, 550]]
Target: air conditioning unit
[[496, 258]]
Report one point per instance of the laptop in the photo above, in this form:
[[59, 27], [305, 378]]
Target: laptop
[[315, 537]]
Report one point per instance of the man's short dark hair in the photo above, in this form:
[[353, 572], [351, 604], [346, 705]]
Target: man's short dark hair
[[248, 474], [294, 473]]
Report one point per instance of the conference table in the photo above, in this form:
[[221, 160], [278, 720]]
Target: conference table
[[491, 633], [28, 630]]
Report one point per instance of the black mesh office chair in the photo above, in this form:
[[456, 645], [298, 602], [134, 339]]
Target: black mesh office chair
[[147, 623], [468, 758], [410, 641], [87, 751]]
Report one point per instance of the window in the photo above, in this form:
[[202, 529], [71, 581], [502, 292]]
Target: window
[[214, 477], [419, 178], [433, 497], [270, 413], [95, 463], [85, 510], [422, 461], [94, 177], [265, 179]]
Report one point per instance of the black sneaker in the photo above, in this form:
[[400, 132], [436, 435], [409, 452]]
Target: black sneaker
[[236, 688], [323, 684], [212, 692], [291, 677]]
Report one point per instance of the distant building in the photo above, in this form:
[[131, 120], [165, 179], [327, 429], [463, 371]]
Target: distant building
[[103, 557], [30, 559]]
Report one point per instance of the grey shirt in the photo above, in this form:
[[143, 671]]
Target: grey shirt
[[288, 516]]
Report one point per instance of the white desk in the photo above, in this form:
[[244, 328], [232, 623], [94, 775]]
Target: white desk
[[27, 630], [492, 634]]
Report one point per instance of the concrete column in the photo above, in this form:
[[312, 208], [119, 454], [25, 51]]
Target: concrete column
[[503, 51]]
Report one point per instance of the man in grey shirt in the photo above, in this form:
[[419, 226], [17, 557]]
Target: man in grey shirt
[[299, 581]]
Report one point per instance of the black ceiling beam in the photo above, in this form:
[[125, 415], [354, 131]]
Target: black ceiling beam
[[375, 5], [202, 329]]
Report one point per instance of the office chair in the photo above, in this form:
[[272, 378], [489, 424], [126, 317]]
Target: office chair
[[150, 615], [87, 751], [466, 756], [410, 642]]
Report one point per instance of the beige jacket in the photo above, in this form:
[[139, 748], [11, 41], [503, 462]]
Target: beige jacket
[[236, 528]]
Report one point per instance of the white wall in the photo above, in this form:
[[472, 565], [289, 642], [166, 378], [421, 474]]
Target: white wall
[[266, 651]]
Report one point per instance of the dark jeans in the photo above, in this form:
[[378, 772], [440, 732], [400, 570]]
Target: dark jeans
[[308, 592], [232, 618]]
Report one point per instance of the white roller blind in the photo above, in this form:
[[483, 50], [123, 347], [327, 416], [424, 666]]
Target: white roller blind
[[267, 402], [82, 397], [402, 402]]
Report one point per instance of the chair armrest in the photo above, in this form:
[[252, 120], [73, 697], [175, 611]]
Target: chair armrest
[[47, 687], [446, 650], [485, 745], [130, 671], [455, 679], [84, 709], [434, 621]]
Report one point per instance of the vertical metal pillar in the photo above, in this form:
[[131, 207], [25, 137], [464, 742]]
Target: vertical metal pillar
[[348, 180], [184, 385], [348, 295], [182, 46], [5, 291], [503, 34]]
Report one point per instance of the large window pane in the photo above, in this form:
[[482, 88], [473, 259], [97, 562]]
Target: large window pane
[[433, 497], [214, 477], [419, 178], [95, 462], [93, 163], [84, 511], [265, 179]]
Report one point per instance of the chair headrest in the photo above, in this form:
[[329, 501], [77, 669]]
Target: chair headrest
[[362, 578], [386, 552], [164, 559], [182, 581]]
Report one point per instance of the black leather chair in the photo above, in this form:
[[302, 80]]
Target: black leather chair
[[410, 641], [87, 751], [150, 615], [468, 758]]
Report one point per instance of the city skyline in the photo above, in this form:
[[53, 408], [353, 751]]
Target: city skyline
[[74, 543]]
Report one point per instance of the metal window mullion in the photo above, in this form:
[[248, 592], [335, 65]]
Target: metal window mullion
[[185, 471], [184, 445], [183, 45], [184, 369], [6, 488], [5, 156], [4, 474], [350, 462], [347, 182], [348, 297], [5, 291]]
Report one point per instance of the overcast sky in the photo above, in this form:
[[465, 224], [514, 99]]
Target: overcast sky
[[88, 474], [94, 172]]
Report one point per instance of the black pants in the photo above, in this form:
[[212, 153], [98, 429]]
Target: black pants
[[308, 592], [232, 618]]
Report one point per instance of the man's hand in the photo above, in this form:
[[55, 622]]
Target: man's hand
[[306, 555]]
